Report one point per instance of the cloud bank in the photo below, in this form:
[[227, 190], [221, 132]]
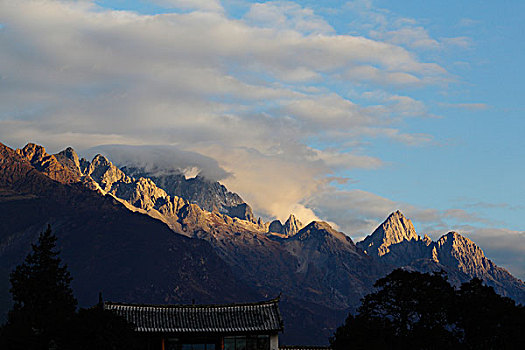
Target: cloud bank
[[263, 101], [161, 160], [246, 92]]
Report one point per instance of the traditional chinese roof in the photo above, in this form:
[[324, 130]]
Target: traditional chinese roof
[[226, 318]]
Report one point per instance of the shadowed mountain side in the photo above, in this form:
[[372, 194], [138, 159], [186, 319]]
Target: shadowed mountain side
[[332, 265], [132, 257], [318, 264], [129, 256], [308, 323]]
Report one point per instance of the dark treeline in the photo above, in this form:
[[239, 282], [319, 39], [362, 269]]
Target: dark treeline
[[413, 310], [45, 315]]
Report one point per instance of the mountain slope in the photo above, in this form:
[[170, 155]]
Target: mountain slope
[[320, 271], [396, 244], [105, 243], [128, 256]]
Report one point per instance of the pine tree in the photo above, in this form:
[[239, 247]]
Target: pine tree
[[44, 303]]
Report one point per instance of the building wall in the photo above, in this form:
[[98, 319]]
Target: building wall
[[274, 342]]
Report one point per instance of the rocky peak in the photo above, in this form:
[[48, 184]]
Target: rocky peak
[[458, 251], [207, 194], [105, 173], [427, 240], [100, 160], [70, 153], [291, 226], [289, 229], [33, 152], [320, 230], [275, 226], [395, 229], [47, 164], [69, 158]]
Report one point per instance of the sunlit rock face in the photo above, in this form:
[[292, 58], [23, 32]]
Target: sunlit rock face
[[108, 248], [395, 229], [48, 164], [460, 253], [289, 229], [395, 243], [209, 195], [292, 226]]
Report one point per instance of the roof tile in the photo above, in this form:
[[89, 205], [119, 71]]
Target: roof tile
[[261, 316]]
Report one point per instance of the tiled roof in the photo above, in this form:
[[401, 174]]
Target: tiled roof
[[226, 318]]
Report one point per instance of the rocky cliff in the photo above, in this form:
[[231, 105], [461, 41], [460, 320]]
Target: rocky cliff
[[289, 229], [108, 248], [208, 195], [395, 229], [395, 243]]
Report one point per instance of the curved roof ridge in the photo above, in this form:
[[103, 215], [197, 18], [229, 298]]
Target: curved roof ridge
[[167, 306]]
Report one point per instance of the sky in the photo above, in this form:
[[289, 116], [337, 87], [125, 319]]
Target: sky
[[342, 111]]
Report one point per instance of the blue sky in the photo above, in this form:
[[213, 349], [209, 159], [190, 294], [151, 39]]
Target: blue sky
[[334, 110]]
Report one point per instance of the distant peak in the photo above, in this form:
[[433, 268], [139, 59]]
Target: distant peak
[[321, 231], [319, 226], [99, 158], [395, 229], [275, 226], [397, 214], [69, 153], [32, 148], [292, 226], [33, 152], [31, 145], [454, 236]]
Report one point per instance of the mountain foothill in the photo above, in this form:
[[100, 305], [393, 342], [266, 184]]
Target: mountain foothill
[[163, 238]]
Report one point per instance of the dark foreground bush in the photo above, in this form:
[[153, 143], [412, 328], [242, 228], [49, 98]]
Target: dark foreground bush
[[412, 310]]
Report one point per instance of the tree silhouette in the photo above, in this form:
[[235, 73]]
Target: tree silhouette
[[96, 328], [489, 320], [408, 310], [44, 311], [413, 310], [44, 303]]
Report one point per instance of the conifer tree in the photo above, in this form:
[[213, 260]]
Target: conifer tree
[[44, 303]]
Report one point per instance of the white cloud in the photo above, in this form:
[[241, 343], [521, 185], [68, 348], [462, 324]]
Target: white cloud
[[385, 25], [203, 5], [161, 160], [414, 37], [287, 15]]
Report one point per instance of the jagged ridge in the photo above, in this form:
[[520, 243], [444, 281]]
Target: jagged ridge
[[396, 243], [314, 264]]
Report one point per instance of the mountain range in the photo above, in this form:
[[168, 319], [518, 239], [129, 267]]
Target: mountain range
[[154, 238]]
